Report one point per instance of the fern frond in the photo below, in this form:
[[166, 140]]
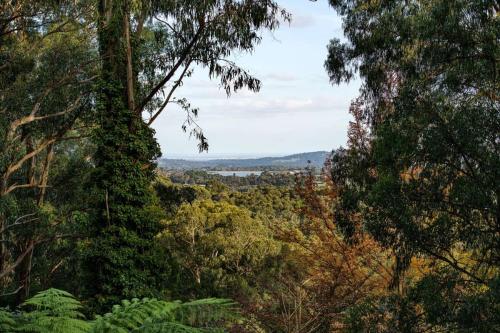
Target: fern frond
[[204, 312], [168, 327], [54, 311], [57, 303], [133, 315], [7, 322], [154, 316], [46, 324]]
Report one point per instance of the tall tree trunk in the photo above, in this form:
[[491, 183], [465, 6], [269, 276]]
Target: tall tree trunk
[[30, 171], [23, 270], [3, 249], [23, 276], [130, 72], [121, 257], [45, 175]]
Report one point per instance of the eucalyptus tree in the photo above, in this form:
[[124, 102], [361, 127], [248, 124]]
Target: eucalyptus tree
[[46, 71], [147, 49], [422, 166], [218, 246]]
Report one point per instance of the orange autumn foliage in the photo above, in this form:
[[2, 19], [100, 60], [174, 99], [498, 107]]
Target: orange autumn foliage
[[339, 272]]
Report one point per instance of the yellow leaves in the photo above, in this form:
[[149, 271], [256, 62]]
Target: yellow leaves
[[419, 267], [367, 5], [411, 51]]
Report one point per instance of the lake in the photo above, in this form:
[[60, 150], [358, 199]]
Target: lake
[[237, 173]]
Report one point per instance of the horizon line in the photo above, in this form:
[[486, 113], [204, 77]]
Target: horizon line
[[216, 156]]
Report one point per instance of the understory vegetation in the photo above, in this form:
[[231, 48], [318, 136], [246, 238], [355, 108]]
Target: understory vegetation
[[57, 311], [399, 231]]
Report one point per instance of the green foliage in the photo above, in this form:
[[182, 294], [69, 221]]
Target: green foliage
[[433, 304], [150, 315], [217, 245], [121, 255], [45, 89], [57, 311], [7, 321], [432, 115], [53, 311], [421, 169], [222, 242]]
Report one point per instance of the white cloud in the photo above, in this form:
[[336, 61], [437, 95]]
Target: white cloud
[[258, 107], [283, 77], [302, 21]]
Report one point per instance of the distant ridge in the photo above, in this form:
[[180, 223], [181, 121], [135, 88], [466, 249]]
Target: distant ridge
[[295, 161]]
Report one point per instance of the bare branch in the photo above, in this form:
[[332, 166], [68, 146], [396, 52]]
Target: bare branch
[[171, 73], [28, 250], [18, 261], [29, 185], [15, 166], [178, 34], [167, 100], [19, 221], [12, 292]]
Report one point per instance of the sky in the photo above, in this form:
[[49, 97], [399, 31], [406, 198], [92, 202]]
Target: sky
[[296, 110]]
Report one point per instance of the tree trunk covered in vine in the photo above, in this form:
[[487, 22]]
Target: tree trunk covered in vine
[[120, 257]]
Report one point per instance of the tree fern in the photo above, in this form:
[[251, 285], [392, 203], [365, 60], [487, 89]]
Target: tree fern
[[7, 321], [57, 311], [205, 311], [54, 311], [151, 315], [133, 315]]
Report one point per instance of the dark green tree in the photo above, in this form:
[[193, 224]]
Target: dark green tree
[[422, 162]]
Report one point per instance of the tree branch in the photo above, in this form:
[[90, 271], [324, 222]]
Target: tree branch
[[19, 221], [167, 100], [28, 250], [18, 261], [171, 73], [128, 46], [15, 166]]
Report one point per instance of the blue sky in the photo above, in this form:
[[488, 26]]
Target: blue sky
[[296, 110]]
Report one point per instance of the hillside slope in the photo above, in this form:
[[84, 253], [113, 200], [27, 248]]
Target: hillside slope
[[294, 161]]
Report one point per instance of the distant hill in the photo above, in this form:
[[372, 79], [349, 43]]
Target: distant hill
[[296, 161]]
